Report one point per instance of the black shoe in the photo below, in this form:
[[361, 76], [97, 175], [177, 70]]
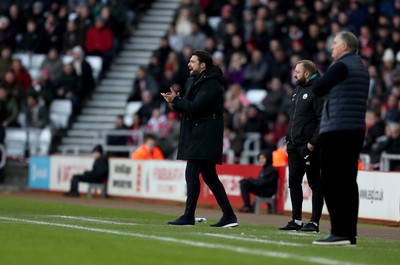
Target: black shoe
[[182, 221], [72, 194], [291, 226], [226, 222], [310, 227], [333, 240]]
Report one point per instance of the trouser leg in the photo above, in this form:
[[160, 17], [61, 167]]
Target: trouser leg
[[296, 174], [192, 172]]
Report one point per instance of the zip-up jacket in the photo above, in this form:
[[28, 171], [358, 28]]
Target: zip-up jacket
[[305, 115]]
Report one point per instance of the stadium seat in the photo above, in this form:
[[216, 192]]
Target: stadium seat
[[25, 59], [60, 112], [101, 187], [96, 64], [16, 140], [131, 108], [256, 96], [36, 60], [271, 201]]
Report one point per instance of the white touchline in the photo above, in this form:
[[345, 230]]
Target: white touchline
[[243, 250], [95, 220], [255, 240]]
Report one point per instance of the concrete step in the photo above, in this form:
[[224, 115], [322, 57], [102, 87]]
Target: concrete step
[[83, 133], [114, 89], [109, 96], [116, 82], [96, 118], [71, 148], [153, 26], [136, 54], [93, 126], [106, 103], [124, 68], [147, 41], [165, 5], [96, 111], [142, 46], [120, 75], [129, 61], [160, 12], [151, 19], [79, 141], [149, 33]]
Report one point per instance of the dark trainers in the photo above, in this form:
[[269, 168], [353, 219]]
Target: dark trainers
[[333, 240], [182, 221], [291, 226], [310, 227], [226, 222]]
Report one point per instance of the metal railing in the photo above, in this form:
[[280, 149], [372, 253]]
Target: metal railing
[[386, 159], [3, 156]]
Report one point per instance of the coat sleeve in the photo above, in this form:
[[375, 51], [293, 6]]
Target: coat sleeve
[[100, 169], [335, 74], [206, 94]]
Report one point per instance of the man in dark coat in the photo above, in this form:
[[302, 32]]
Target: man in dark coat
[[342, 131], [302, 139], [200, 141], [98, 174], [266, 185]]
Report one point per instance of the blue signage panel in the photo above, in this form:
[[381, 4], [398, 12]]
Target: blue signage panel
[[39, 173]]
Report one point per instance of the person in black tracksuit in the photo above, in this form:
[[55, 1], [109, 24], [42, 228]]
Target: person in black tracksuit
[[201, 136], [266, 185], [303, 147]]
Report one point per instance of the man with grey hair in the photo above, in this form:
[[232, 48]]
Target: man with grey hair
[[345, 87], [83, 70]]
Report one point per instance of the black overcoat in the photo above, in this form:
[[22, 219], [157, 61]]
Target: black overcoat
[[202, 123]]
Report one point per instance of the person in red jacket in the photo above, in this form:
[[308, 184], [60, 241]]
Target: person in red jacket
[[99, 41], [148, 150]]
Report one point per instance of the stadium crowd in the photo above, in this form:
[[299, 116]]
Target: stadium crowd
[[255, 42]]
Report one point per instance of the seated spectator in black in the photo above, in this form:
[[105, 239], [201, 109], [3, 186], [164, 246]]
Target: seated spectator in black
[[114, 15], [32, 39], [99, 41], [5, 60], [42, 87], [392, 113], [143, 81], [83, 21], [84, 72], [22, 76], [375, 130], [69, 86], [7, 34], [118, 140], [8, 110], [391, 145], [275, 98], [196, 38], [163, 50], [255, 71], [98, 174], [38, 13], [14, 88], [71, 38], [281, 65], [53, 32], [17, 21], [53, 64], [147, 107], [266, 185], [36, 114]]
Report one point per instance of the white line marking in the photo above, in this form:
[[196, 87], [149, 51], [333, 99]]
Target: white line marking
[[243, 250], [95, 220], [258, 240]]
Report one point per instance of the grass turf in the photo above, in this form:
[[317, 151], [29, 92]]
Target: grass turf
[[53, 233]]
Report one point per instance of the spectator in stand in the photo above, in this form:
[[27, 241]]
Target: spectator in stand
[[7, 34], [84, 72], [148, 150], [5, 60], [147, 107], [275, 98], [256, 120], [43, 88], [118, 10], [155, 68], [182, 24], [136, 126], [391, 112], [53, 64], [169, 135], [196, 38], [266, 185], [174, 39], [144, 81], [204, 26], [255, 72], [281, 65], [235, 98], [118, 140], [83, 21], [390, 144], [32, 40], [69, 86], [14, 88], [260, 35], [71, 38], [98, 174], [277, 131], [99, 41], [375, 128], [163, 51], [236, 69], [94, 7], [17, 21], [37, 115], [8, 111], [157, 123], [38, 13], [226, 17], [21, 76], [53, 33]]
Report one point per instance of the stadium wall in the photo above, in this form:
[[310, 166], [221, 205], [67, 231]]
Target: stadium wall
[[165, 180]]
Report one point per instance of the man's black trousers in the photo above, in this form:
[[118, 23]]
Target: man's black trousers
[[340, 152], [210, 177], [301, 161]]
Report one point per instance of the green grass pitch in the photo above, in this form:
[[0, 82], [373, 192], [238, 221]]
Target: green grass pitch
[[34, 233]]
